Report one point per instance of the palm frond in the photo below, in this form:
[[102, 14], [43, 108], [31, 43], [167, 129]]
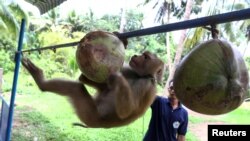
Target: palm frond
[[2, 25], [164, 8], [239, 6], [155, 4], [9, 20], [248, 33], [196, 37], [19, 13], [146, 2], [229, 31]]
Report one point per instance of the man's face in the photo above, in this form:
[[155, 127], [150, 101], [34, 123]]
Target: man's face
[[172, 97]]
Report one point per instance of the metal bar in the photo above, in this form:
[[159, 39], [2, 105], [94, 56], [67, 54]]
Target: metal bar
[[204, 21], [14, 85], [199, 22], [52, 47]]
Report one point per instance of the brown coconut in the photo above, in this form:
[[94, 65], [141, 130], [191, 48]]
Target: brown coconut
[[212, 79], [99, 54]]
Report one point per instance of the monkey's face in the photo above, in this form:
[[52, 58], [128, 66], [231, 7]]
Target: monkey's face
[[147, 64]]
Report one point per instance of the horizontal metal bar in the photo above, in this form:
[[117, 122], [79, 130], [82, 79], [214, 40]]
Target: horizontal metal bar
[[199, 22], [204, 21], [52, 47]]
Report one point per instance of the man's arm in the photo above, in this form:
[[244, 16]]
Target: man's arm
[[182, 130], [181, 138]]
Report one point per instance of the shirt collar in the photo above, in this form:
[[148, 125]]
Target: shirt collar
[[179, 104]]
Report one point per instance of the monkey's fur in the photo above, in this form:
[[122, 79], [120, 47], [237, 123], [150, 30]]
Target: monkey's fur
[[121, 100]]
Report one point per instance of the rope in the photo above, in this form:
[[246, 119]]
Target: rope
[[199, 22]]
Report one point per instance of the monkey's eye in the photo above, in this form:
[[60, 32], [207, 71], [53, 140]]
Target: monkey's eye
[[146, 56]]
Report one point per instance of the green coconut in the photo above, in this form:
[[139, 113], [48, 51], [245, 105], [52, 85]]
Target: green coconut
[[212, 79], [99, 54]]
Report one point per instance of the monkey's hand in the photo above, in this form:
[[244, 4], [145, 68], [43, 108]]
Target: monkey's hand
[[35, 72]]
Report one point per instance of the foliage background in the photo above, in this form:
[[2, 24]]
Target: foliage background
[[44, 116]]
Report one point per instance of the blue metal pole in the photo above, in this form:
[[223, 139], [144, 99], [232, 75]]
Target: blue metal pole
[[199, 22], [14, 85], [204, 21]]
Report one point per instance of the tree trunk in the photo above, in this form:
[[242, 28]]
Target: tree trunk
[[180, 45], [169, 64], [123, 18]]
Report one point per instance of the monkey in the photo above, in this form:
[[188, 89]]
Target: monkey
[[123, 98]]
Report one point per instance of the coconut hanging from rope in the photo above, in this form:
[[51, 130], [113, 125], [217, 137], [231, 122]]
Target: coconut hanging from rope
[[212, 79], [99, 54]]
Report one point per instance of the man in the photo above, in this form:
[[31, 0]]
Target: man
[[169, 119]]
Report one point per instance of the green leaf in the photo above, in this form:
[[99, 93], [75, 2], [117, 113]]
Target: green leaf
[[19, 13], [196, 38], [8, 19]]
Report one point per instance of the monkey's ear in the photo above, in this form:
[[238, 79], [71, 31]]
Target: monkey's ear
[[124, 40]]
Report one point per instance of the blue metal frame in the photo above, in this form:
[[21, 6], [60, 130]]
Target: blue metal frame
[[14, 85], [199, 22], [4, 119]]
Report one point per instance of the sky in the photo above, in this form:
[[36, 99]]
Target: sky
[[101, 7], [81, 6]]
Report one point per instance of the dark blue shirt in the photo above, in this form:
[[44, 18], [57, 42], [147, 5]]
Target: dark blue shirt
[[165, 122]]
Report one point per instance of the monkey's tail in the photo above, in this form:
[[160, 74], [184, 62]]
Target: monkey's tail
[[79, 124]]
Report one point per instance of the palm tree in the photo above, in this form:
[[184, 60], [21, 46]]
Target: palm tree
[[181, 42], [199, 34], [233, 31], [10, 16], [77, 22], [164, 12]]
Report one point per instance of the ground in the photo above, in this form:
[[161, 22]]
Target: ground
[[200, 129]]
